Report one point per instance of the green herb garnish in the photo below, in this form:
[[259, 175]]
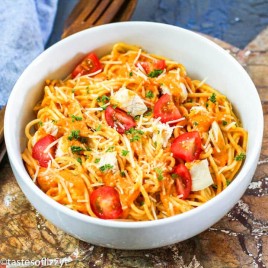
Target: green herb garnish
[[149, 94], [124, 152], [103, 99], [105, 167], [136, 134], [159, 173], [110, 149], [148, 112], [98, 128], [240, 157], [75, 134], [76, 118], [76, 149], [212, 98], [79, 160], [97, 160], [224, 123], [155, 73]]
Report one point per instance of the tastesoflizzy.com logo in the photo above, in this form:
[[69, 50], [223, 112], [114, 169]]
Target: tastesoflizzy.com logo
[[8, 263]]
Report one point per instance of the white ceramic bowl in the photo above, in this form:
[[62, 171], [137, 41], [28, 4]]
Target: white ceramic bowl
[[202, 58]]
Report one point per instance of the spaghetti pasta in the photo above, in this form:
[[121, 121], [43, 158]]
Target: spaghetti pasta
[[139, 124]]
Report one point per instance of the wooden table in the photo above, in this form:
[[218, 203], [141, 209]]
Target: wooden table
[[238, 240]]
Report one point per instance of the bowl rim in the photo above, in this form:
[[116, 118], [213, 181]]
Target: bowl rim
[[18, 164]]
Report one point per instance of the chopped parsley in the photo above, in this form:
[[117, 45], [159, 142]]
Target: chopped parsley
[[105, 167], [228, 182], [149, 94], [103, 99], [149, 112], [79, 160], [76, 149], [224, 123], [40, 123], [76, 118], [137, 117], [212, 98], [125, 152], [110, 149], [131, 74], [123, 174], [136, 134], [155, 73], [97, 160], [134, 131], [195, 123], [104, 107], [159, 173], [75, 134], [240, 157], [98, 128]]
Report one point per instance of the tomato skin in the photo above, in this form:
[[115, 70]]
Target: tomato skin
[[89, 64], [113, 116], [105, 203], [39, 148], [187, 146], [183, 181], [166, 109]]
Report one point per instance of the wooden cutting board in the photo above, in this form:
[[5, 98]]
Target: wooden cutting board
[[238, 240]]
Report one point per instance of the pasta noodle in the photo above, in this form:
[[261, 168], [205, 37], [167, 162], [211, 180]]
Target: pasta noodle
[[87, 152]]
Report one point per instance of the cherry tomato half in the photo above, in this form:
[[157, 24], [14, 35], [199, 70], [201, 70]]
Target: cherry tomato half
[[166, 109], [146, 66], [160, 65], [90, 64], [119, 119], [187, 146], [149, 67], [105, 203], [183, 180], [39, 152]]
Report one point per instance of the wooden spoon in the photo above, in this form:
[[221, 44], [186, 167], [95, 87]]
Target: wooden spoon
[[89, 13]]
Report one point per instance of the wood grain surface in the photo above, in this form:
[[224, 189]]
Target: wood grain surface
[[238, 240]]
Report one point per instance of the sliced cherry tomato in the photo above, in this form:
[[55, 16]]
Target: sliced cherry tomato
[[166, 109], [187, 146], [160, 65], [149, 67], [183, 180], [105, 203], [146, 66], [90, 64], [119, 119], [39, 150]]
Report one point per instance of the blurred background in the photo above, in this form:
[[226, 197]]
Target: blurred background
[[234, 21]]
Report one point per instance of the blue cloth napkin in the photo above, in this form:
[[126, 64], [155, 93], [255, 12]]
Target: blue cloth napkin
[[25, 26]]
